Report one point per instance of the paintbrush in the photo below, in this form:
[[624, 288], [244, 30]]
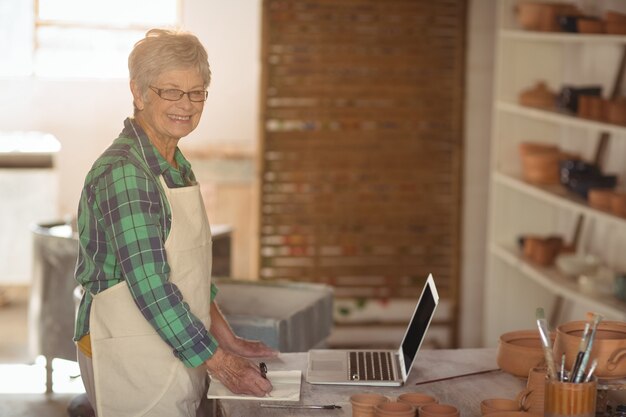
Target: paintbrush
[[597, 318], [544, 333], [581, 350]]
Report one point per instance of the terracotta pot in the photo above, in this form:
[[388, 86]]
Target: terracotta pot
[[394, 409], [538, 96], [363, 404], [438, 410], [615, 17], [590, 25], [615, 23], [519, 351], [609, 346], [616, 112], [600, 198], [493, 405], [417, 399], [542, 16], [541, 167], [542, 251], [592, 107], [531, 398], [618, 204]]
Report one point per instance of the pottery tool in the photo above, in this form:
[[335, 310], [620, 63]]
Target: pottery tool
[[544, 333], [597, 318], [582, 346], [447, 378], [562, 368], [303, 406]]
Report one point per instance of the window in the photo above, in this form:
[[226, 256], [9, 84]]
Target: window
[[77, 38]]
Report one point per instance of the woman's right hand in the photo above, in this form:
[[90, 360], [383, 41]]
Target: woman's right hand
[[238, 374]]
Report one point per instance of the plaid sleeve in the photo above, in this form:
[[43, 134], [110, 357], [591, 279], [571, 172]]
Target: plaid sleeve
[[132, 211]]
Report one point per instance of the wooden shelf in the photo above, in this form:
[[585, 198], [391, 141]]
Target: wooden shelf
[[556, 195], [563, 119], [558, 283], [525, 35]]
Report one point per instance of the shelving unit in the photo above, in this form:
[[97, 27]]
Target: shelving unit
[[515, 287]]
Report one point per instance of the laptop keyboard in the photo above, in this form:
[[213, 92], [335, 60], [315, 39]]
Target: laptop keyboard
[[370, 366]]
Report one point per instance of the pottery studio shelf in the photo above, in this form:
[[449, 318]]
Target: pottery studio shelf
[[516, 208], [556, 195], [558, 283], [522, 35], [561, 118]]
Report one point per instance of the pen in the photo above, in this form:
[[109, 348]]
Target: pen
[[263, 369]]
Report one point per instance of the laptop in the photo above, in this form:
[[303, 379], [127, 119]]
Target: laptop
[[376, 367]]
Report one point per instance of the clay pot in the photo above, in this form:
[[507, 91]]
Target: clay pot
[[394, 409], [494, 405], [592, 107], [542, 16], [532, 397], [590, 25], [363, 405], [600, 198], [616, 112], [538, 96], [542, 251], [618, 204], [417, 399], [438, 410], [519, 351], [609, 346], [615, 23], [541, 167]]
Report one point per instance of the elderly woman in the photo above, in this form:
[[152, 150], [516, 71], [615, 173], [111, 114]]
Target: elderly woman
[[147, 328]]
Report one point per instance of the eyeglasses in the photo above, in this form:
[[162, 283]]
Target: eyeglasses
[[173, 94]]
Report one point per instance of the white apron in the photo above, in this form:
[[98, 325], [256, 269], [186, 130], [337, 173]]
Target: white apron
[[135, 371]]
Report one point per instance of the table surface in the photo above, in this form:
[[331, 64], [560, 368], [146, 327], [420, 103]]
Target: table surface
[[465, 392]]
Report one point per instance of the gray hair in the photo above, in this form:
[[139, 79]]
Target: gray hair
[[163, 50]]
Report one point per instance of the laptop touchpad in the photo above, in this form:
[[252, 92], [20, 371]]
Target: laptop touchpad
[[322, 365]]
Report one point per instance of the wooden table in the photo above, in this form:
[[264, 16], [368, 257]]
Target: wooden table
[[466, 392]]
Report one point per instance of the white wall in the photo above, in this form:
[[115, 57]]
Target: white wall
[[478, 97], [86, 115]]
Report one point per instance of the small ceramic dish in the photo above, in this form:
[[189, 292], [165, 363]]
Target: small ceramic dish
[[494, 405], [574, 265]]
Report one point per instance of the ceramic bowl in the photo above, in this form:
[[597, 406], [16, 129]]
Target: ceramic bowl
[[394, 409], [519, 351], [609, 346], [417, 399], [494, 405], [574, 265], [438, 410]]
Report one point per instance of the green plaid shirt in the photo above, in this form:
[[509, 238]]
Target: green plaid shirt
[[123, 221]]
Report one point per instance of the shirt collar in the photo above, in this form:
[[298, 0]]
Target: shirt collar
[[156, 162]]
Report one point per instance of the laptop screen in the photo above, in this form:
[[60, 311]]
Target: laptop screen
[[419, 323]]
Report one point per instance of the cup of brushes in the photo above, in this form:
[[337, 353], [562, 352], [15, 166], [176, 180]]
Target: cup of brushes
[[570, 391]]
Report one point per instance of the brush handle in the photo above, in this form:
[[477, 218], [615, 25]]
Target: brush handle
[[577, 361], [550, 363]]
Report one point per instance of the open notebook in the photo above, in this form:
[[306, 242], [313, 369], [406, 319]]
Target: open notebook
[[286, 388]]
